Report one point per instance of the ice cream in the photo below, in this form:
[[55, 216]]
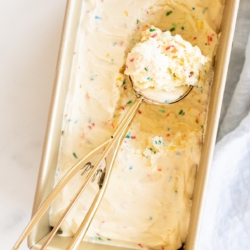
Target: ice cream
[[163, 64], [149, 196]]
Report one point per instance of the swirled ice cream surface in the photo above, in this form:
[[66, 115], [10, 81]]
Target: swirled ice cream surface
[[148, 199]]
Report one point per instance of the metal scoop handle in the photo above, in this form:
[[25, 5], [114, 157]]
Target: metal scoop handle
[[112, 148], [94, 206], [107, 146]]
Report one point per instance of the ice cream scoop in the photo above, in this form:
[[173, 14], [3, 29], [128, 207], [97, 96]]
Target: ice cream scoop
[[157, 97], [164, 67]]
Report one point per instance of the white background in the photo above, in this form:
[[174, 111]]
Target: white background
[[30, 34]]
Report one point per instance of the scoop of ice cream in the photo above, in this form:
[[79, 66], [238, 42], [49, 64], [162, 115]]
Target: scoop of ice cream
[[162, 65]]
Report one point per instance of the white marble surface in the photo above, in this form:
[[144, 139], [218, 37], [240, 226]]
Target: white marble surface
[[30, 36]]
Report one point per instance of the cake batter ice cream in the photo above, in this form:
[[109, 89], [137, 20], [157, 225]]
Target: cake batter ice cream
[[162, 64], [149, 196]]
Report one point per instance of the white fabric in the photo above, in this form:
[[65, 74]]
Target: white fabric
[[240, 103], [226, 218]]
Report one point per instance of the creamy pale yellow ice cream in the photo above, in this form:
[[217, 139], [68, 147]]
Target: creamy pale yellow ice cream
[[163, 64], [148, 200]]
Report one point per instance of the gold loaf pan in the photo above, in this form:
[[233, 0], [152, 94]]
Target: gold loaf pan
[[53, 134]]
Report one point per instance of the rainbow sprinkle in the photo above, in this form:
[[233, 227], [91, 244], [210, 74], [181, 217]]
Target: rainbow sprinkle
[[169, 12]]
